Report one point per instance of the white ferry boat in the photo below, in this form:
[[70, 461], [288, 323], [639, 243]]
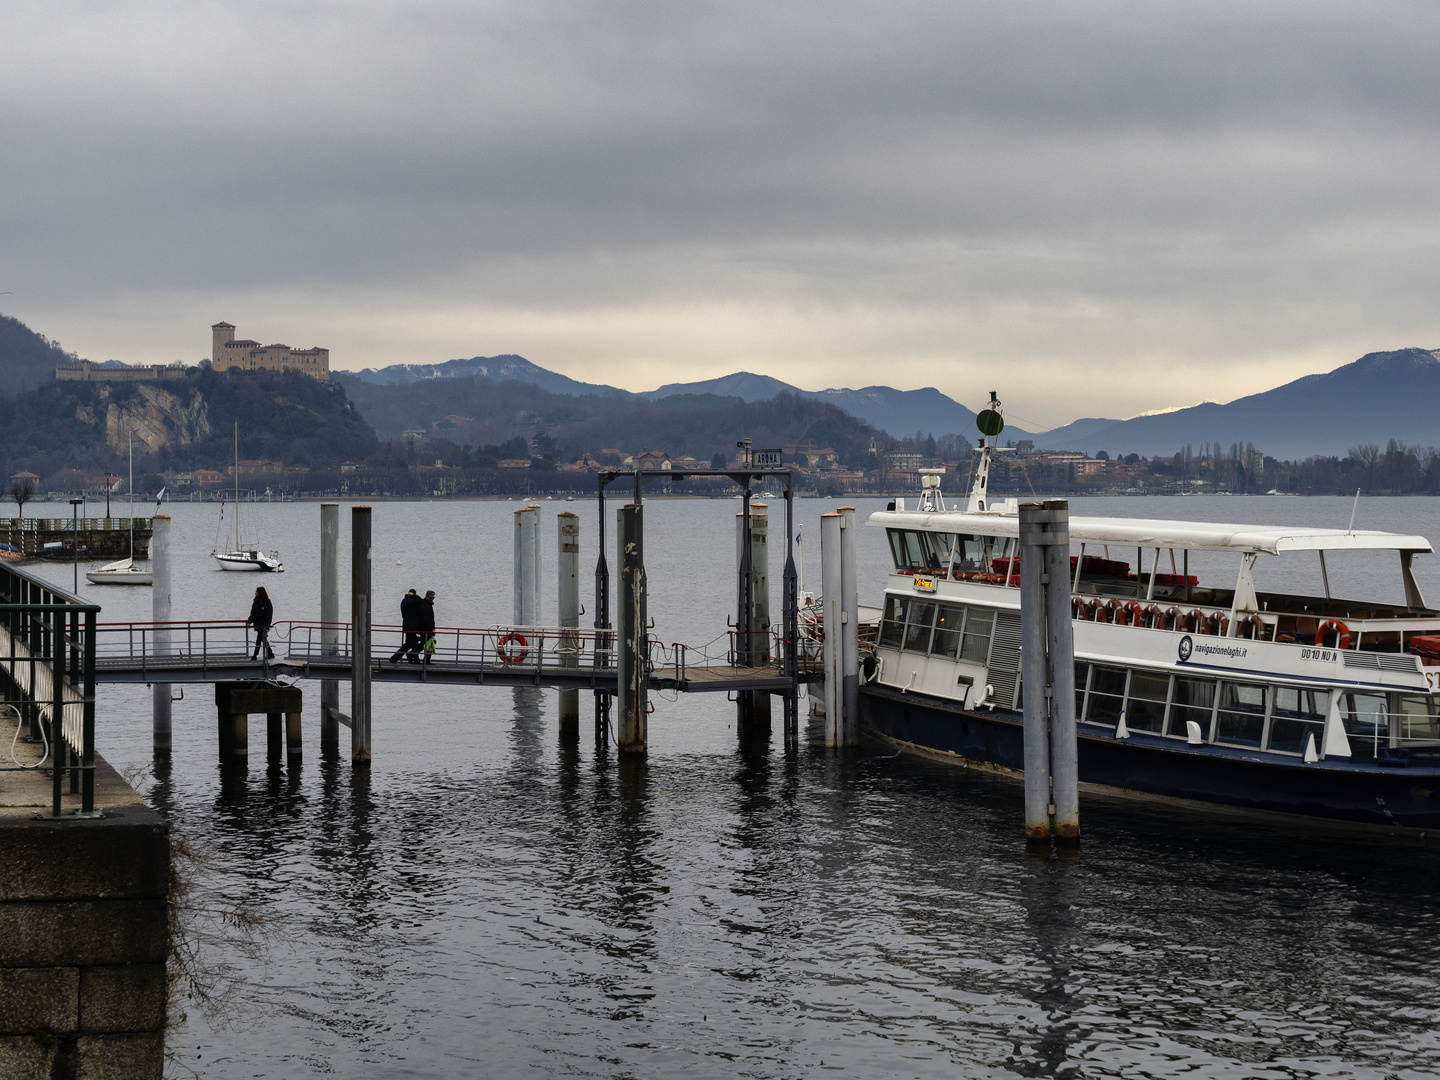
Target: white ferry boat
[[1220, 694]]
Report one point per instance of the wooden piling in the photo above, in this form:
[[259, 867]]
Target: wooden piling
[[632, 631], [360, 609], [160, 609], [752, 558], [568, 569], [831, 608], [849, 629], [329, 619]]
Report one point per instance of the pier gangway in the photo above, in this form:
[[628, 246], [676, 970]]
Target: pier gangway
[[567, 658]]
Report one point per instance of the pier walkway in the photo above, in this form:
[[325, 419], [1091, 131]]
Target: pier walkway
[[548, 656]]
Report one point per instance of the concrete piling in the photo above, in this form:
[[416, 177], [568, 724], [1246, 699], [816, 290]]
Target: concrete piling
[[329, 619], [752, 558], [527, 566], [831, 589], [849, 628], [161, 594], [1048, 672], [282, 706], [568, 570], [632, 631], [360, 620]]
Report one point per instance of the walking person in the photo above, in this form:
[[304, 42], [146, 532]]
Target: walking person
[[262, 616], [427, 625], [412, 617]]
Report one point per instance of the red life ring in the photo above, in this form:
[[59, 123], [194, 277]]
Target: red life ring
[[1342, 632], [512, 656], [1133, 614]]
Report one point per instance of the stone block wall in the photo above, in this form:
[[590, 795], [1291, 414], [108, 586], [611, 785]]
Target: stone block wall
[[83, 944]]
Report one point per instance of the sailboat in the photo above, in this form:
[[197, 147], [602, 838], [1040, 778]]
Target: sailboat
[[124, 572], [241, 557]]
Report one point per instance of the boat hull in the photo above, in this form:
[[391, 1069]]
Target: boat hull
[[246, 565], [1333, 789], [133, 577]]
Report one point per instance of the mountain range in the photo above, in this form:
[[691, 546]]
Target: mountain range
[[1381, 396]]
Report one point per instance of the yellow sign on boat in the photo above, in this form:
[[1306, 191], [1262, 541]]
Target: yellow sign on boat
[[924, 584]]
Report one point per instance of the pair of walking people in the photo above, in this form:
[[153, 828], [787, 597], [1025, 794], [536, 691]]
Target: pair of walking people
[[417, 623]]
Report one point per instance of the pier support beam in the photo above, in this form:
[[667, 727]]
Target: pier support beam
[[360, 608], [632, 631], [282, 706], [831, 590], [849, 628], [568, 569], [752, 558], [329, 624], [1048, 671], [527, 566], [161, 594]]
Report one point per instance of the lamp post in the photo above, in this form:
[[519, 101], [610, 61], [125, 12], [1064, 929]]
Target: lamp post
[[109, 483], [75, 540]]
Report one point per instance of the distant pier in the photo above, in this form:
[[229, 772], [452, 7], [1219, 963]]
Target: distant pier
[[63, 538]]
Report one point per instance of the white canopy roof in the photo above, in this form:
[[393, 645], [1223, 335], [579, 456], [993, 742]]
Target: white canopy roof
[[1142, 532]]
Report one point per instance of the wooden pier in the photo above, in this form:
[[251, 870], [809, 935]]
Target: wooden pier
[[61, 538]]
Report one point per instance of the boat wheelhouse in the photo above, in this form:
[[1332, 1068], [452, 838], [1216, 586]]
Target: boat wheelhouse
[[1216, 692]]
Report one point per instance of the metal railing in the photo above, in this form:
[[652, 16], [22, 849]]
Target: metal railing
[[47, 673]]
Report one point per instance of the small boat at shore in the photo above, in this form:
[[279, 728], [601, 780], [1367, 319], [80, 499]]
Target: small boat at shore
[[1205, 693]]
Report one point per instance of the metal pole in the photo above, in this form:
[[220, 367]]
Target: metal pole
[[849, 628], [791, 624], [329, 620], [1033, 669], [536, 560], [360, 608], [631, 620], [568, 570], [160, 600], [527, 566], [75, 543], [1064, 763], [831, 589]]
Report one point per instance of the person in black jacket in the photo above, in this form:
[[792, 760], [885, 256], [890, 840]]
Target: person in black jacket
[[412, 617], [262, 615]]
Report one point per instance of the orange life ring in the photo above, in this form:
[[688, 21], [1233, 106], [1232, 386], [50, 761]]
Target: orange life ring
[[1134, 613], [1342, 633], [1254, 624], [512, 656], [1196, 622]]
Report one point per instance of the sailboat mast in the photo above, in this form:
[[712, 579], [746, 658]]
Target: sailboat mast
[[237, 485], [132, 494]]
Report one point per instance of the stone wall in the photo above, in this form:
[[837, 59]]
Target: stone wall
[[83, 944]]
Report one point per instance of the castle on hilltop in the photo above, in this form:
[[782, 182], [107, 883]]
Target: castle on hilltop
[[246, 355]]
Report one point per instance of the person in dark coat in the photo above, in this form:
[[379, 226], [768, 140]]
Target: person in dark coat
[[412, 618], [262, 615], [427, 623]]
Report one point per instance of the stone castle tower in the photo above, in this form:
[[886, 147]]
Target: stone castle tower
[[227, 354]]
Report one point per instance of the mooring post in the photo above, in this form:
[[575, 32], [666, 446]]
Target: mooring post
[[160, 599], [602, 622], [1064, 763], [274, 736], [527, 566], [752, 558], [329, 624], [632, 631], [1048, 671], [832, 621], [849, 628], [568, 569], [791, 625], [360, 608]]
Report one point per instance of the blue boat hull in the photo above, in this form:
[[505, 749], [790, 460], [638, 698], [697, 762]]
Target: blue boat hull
[[1334, 789]]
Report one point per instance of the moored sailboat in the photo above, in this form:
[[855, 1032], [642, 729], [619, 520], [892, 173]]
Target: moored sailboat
[[244, 556], [124, 571]]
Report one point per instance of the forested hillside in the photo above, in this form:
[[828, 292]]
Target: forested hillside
[[26, 358]]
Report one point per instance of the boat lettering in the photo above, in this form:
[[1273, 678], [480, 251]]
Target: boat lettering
[[924, 584], [1189, 646], [1330, 655]]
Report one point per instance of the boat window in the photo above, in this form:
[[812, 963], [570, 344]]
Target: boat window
[[1082, 674], [892, 627], [917, 629], [944, 544], [1298, 714], [1194, 699], [914, 550], [1107, 694], [972, 552], [948, 620], [1367, 722], [1241, 720], [976, 644], [1417, 718], [1145, 704]]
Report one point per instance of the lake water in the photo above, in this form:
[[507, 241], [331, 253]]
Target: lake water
[[487, 902]]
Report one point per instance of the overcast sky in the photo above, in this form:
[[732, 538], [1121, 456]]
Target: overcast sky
[[1095, 208]]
